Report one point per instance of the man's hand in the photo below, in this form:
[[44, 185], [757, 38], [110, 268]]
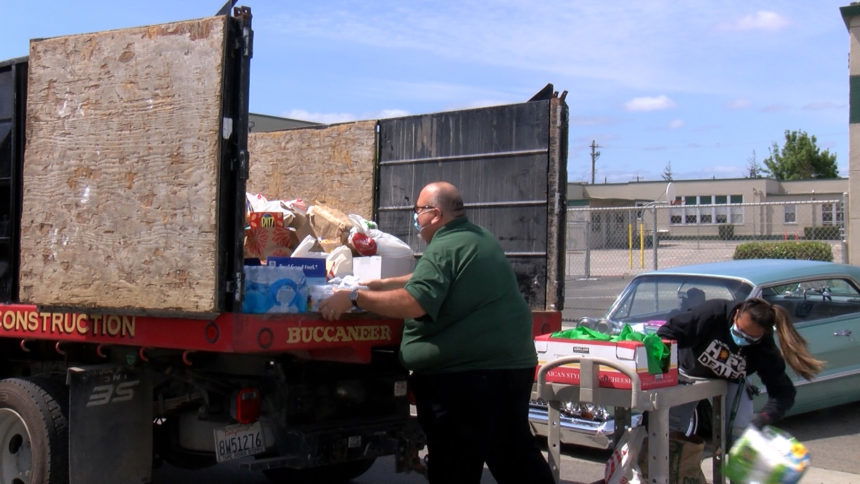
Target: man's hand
[[333, 307]]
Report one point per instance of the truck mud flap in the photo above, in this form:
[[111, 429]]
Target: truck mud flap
[[110, 424]]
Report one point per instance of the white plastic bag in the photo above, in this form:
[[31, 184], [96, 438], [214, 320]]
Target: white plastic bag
[[320, 293], [339, 262], [304, 247], [622, 466], [386, 245]]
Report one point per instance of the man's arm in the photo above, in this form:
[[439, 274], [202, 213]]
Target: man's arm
[[387, 283], [394, 303]]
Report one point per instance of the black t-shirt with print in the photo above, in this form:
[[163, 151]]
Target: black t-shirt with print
[[706, 349]]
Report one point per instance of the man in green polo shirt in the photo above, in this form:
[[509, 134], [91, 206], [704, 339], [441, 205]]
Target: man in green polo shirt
[[467, 338]]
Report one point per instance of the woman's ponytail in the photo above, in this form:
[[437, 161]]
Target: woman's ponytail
[[793, 346]]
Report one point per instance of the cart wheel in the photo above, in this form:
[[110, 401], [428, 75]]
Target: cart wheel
[[33, 431]]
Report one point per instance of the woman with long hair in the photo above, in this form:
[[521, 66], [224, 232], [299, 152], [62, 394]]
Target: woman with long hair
[[720, 340]]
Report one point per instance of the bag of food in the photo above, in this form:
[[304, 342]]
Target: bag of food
[[382, 243], [622, 466], [329, 225], [767, 455], [339, 262]]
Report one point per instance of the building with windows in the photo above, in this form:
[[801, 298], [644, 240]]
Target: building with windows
[[753, 207]]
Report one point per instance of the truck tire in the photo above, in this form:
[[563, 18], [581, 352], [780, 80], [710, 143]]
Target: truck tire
[[332, 474], [34, 443]]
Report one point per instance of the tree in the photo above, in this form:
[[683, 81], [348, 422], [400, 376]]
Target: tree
[[800, 158], [754, 170], [667, 172]]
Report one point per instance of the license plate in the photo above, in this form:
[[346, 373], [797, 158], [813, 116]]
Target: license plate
[[234, 441]]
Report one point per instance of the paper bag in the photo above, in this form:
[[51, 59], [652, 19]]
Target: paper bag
[[329, 224]]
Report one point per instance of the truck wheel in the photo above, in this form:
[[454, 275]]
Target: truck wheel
[[34, 443], [335, 473]]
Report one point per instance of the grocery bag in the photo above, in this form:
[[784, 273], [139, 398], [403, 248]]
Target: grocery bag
[[767, 455], [622, 466]]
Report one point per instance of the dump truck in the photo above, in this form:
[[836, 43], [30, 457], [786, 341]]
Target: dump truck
[[125, 160]]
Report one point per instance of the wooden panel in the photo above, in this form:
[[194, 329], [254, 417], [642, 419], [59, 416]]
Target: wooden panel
[[499, 158], [332, 164], [121, 169]]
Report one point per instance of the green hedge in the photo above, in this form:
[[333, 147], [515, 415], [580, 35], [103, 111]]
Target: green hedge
[[806, 250], [828, 232]]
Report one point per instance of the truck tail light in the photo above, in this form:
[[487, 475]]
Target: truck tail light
[[246, 405]]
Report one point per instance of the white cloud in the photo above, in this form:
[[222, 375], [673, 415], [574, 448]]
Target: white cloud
[[325, 118], [332, 118], [657, 103], [739, 103], [676, 124], [822, 105], [391, 113], [761, 20]]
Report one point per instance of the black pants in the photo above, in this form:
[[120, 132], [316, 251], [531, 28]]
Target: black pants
[[475, 417]]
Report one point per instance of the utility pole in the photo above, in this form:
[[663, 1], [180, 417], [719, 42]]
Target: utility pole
[[594, 156]]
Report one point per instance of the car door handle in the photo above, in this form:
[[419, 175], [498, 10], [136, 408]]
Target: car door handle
[[844, 332]]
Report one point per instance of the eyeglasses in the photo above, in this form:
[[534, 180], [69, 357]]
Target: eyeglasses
[[421, 209], [740, 334]]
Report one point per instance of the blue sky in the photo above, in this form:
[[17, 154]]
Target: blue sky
[[700, 86]]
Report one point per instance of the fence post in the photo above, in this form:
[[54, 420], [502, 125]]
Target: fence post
[[655, 239], [630, 243], [588, 247]]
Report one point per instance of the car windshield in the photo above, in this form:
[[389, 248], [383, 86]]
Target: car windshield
[[657, 297]]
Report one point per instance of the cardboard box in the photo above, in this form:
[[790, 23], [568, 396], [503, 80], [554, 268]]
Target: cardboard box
[[628, 354], [376, 267], [313, 268]]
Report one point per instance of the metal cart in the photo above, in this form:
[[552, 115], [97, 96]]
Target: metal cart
[[656, 402]]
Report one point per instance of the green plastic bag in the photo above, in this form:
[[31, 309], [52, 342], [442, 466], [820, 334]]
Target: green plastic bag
[[655, 349], [582, 332]]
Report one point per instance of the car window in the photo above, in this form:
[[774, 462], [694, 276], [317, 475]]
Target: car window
[[815, 299], [659, 296]]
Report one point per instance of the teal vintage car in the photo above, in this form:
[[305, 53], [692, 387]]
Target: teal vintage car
[[823, 299]]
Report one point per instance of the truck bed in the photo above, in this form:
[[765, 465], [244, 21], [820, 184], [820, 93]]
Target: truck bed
[[306, 335]]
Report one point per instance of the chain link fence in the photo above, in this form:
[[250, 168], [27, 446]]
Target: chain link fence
[[622, 241]]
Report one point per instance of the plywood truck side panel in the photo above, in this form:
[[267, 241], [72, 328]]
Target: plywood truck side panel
[[332, 164], [121, 169]]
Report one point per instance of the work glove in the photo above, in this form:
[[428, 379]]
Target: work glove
[[759, 420]]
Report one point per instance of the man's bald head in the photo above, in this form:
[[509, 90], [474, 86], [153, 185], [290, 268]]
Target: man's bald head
[[437, 204], [446, 197]]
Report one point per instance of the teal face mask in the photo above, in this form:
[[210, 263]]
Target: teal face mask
[[740, 338]]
